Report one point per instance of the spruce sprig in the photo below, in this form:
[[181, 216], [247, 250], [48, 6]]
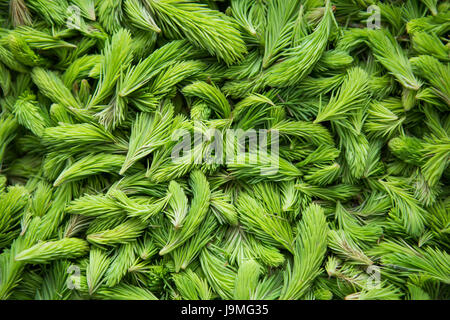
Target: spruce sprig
[[184, 18], [309, 252]]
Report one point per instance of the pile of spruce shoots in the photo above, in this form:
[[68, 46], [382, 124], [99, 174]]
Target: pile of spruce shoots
[[94, 205]]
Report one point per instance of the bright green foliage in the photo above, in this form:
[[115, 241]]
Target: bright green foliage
[[206, 28], [12, 202], [390, 55], [352, 95], [45, 252], [29, 115], [224, 149], [310, 247], [301, 59], [98, 264], [197, 212], [147, 134], [191, 286], [90, 165], [121, 234], [210, 94]]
